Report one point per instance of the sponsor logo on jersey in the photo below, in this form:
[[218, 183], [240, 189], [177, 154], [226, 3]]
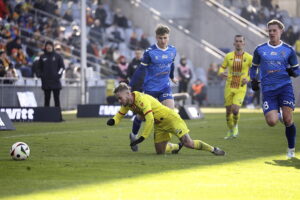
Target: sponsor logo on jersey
[[273, 53], [164, 56]]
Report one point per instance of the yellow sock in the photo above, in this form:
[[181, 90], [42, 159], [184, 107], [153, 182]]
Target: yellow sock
[[170, 147], [236, 119], [229, 119], [200, 145]]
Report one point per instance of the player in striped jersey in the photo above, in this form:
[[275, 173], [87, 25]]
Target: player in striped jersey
[[162, 119], [235, 69]]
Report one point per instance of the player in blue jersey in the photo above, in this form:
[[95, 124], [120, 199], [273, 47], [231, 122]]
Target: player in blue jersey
[[276, 62], [158, 65]]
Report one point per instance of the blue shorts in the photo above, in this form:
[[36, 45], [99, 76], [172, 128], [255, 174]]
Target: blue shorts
[[273, 100], [162, 95]]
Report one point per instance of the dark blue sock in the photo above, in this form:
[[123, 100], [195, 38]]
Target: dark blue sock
[[136, 125], [290, 133]]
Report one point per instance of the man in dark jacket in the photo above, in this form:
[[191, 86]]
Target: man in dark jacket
[[51, 67]]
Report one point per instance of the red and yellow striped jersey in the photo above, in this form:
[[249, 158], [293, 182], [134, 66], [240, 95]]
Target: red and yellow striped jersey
[[238, 68]]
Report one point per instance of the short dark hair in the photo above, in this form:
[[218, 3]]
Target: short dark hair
[[276, 22], [162, 29], [121, 87], [239, 36]]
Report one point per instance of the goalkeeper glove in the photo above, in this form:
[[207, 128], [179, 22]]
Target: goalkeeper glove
[[141, 139], [110, 122], [255, 85]]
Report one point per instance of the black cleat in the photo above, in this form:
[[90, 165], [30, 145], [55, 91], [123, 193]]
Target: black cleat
[[218, 152], [176, 151]]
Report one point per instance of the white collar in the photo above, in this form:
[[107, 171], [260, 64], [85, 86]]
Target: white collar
[[279, 45], [161, 48]]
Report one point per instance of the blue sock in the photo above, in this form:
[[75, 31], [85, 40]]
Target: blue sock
[[136, 125], [290, 133]]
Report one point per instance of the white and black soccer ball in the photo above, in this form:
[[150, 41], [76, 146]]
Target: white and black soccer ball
[[20, 151]]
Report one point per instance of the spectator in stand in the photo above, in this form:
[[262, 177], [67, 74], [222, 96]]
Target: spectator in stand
[[212, 74], [185, 75], [144, 42], [133, 41], [120, 20], [97, 32], [289, 36], [122, 69], [4, 63], [11, 74], [89, 17], [14, 44], [199, 92], [101, 14], [68, 15], [70, 74], [51, 67], [115, 35], [133, 65], [3, 9], [19, 61]]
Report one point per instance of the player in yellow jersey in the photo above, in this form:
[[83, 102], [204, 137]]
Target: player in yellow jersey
[[160, 118], [235, 69]]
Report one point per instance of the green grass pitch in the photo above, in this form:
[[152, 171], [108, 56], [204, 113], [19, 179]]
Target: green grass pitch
[[85, 159]]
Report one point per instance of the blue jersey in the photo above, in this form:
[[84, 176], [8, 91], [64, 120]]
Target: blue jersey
[[273, 62], [158, 64]]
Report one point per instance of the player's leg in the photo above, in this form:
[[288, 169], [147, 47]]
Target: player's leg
[[229, 122], [287, 103], [228, 97], [134, 131], [161, 141], [270, 107], [200, 145], [166, 97], [237, 102]]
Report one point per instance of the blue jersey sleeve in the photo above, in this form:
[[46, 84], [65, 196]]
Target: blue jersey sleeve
[[255, 64], [139, 72], [146, 60]]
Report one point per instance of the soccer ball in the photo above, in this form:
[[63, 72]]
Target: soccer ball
[[20, 151]]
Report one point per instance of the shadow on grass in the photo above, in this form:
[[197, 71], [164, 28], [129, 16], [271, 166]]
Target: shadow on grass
[[89, 152], [294, 162]]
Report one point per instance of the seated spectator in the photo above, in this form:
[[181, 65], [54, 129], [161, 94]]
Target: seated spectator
[[71, 74], [68, 15], [101, 14], [119, 19], [97, 32], [144, 42], [89, 17], [14, 44], [199, 92], [115, 35], [289, 36], [122, 69], [212, 74], [133, 41]]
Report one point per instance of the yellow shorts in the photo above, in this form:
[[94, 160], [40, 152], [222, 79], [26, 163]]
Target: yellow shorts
[[234, 96], [171, 125]]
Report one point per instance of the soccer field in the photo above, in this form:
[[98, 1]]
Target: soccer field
[[85, 159]]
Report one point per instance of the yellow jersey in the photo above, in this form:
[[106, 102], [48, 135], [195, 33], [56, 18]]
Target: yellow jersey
[[148, 107], [238, 68]]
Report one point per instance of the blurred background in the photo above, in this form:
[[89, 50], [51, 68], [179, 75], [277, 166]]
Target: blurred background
[[117, 31]]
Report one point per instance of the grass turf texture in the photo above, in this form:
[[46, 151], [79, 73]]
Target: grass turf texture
[[85, 159]]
